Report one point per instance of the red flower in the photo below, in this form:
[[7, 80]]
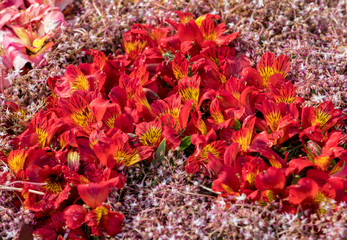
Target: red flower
[[102, 219], [325, 115], [209, 152], [74, 216], [306, 193], [228, 183], [269, 65], [189, 88], [150, 134], [117, 152], [43, 127], [93, 194], [271, 183]]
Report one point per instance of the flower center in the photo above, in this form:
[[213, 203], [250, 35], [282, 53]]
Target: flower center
[[82, 117], [151, 137]]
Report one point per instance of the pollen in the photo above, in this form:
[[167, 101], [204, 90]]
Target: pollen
[[127, 158], [266, 73], [134, 46], [250, 178], [243, 138], [319, 197], [218, 117], [209, 149], [273, 119], [215, 60], [337, 168], [42, 136], [79, 83], [199, 20], [270, 195], [321, 117], [178, 73], [190, 94], [151, 137], [82, 117], [227, 188], [16, 160], [53, 187], [275, 163], [100, 211], [174, 112], [110, 121], [145, 103], [211, 36], [201, 126], [322, 162]]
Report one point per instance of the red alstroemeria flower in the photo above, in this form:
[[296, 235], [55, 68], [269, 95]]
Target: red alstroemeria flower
[[173, 106], [228, 182], [116, 151], [325, 115], [83, 109], [271, 183], [57, 187], [198, 123], [244, 136], [281, 123], [16, 161], [54, 228], [193, 35], [94, 194], [185, 17], [323, 156], [74, 79], [208, 154], [269, 65], [136, 97], [180, 66], [21, 159], [100, 217], [149, 133], [42, 129], [103, 219], [134, 44], [285, 93], [235, 94], [74, 216], [306, 193], [252, 166], [189, 89], [112, 112]]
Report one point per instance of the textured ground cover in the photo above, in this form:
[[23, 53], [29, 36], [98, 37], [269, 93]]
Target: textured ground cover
[[261, 30]]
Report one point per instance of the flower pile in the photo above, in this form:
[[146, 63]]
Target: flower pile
[[182, 87]]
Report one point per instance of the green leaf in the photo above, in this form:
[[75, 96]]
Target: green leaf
[[160, 153], [237, 125], [185, 142]]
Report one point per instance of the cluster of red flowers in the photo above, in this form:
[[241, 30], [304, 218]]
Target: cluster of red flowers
[[183, 88]]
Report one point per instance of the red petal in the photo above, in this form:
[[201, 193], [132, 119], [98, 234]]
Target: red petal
[[282, 64], [272, 179], [93, 194], [190, 32], [227, 179], [305, 190], [74, 216], [112, 223]]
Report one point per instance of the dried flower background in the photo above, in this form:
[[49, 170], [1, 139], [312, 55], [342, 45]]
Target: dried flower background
[[317, 53]]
